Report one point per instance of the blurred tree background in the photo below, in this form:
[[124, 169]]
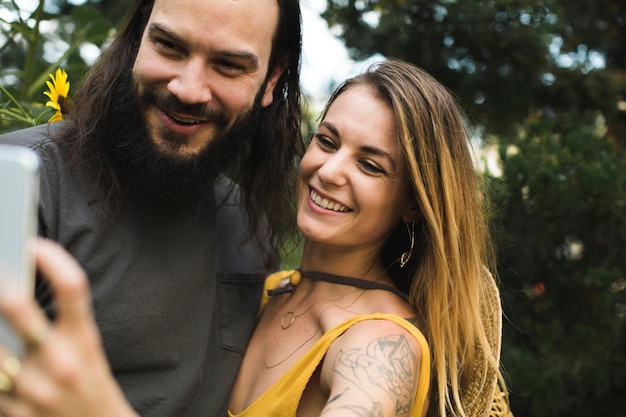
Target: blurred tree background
[[544, 84]]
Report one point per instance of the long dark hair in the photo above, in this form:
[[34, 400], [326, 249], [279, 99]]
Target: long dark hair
[[264, 170]]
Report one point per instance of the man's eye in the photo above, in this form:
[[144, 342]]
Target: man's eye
[[167, 45], [231, 67]]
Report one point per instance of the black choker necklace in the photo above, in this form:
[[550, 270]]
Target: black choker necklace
[[341, 280]]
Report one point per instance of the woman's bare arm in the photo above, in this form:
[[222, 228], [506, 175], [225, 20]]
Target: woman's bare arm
[[372, 370]]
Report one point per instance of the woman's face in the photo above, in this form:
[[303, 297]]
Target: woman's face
[[353, 188]]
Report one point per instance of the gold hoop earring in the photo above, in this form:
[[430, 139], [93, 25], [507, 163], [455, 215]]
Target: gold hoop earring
[[410, 227]]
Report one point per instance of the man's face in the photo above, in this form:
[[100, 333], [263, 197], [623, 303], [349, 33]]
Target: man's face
[[200, 66]]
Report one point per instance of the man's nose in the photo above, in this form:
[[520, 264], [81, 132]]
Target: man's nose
[[192, 83]]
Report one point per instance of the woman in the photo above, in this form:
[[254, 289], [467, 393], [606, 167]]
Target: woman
[[387, 197], [392, 279]]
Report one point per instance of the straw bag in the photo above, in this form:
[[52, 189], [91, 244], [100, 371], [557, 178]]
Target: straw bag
[[485, 390]]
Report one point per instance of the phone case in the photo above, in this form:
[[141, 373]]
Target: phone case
[[19, 193]]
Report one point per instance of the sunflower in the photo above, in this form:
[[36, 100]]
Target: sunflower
[[59, 90]]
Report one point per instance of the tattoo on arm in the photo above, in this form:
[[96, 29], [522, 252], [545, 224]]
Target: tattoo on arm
[[386, 365]]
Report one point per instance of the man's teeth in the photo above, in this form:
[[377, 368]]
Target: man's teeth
[[184, 121], [324, 203]]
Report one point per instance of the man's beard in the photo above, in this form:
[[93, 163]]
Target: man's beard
[[145, 170]]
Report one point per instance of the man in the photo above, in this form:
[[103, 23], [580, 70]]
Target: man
[[134, 187]]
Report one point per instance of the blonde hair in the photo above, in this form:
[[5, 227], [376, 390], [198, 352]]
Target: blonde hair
[[447, 280]]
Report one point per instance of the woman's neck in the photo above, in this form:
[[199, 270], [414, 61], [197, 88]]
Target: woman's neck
[[362, 263]]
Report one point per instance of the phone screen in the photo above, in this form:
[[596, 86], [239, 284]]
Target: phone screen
[[19, 193]]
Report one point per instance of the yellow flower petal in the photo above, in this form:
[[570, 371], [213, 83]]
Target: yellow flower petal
[[59, 89], [54, 105], [56, 117]]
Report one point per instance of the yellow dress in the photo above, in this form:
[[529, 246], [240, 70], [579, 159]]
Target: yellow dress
[[282, 398]]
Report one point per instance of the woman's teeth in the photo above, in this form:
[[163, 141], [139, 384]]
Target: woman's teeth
[[324, 203]]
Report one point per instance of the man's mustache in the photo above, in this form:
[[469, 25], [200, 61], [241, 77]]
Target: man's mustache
[[171, 104]]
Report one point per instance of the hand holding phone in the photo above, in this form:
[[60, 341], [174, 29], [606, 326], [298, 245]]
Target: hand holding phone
[[19, 194]]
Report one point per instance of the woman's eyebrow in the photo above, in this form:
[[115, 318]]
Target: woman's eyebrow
[[364, 148], [330, 127], [377, 151]]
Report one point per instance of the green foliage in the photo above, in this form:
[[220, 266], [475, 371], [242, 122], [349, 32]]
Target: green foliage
[[35, 43], [562, 199], [563, 233], [14, 112]]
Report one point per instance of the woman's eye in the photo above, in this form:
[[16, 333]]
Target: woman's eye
[[371, 168], [324, 142]]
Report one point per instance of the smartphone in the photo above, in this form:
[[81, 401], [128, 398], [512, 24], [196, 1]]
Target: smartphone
[[19, 197]]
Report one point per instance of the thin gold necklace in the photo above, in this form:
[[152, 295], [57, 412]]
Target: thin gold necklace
[[289, 317], [293, 318]]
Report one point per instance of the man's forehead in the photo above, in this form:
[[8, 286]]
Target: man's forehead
[[230, 22], [262, 10]]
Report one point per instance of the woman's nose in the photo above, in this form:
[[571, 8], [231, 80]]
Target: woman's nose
[[333, 170]]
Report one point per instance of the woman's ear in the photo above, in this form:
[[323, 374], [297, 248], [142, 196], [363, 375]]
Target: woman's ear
[[412, 213]]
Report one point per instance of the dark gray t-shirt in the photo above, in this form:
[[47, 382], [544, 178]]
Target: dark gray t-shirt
[[175, 289]]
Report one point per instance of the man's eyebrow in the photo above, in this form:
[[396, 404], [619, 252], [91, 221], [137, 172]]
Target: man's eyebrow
[[155, 28], [367, 149], [251, 59]]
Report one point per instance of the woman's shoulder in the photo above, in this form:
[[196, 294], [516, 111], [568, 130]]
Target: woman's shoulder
[[381, 336], [381, 328], [383, 348]]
